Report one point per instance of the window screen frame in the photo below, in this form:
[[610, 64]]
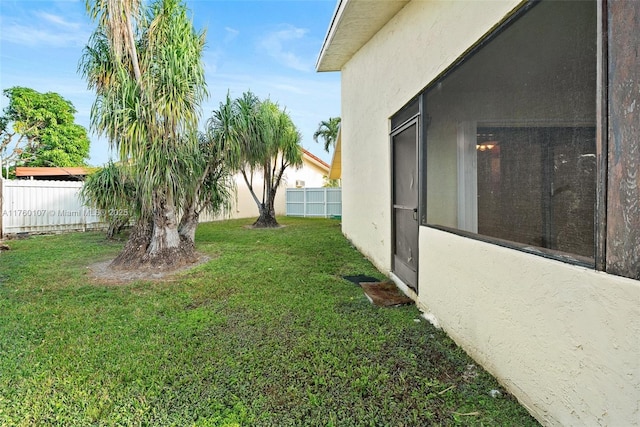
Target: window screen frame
[[598, 260]]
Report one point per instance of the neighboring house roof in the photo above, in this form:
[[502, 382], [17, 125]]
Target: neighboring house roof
[[354, 23], [335, 171], [52, 172], [317, 161]]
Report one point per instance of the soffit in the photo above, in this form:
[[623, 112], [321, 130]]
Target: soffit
[[354, 23]]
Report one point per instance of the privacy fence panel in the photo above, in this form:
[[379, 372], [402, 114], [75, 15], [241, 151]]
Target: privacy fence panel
[[31, 206], [314, 202]]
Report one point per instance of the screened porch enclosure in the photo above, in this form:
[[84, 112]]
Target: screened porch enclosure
[[510, 135], [537, 186]]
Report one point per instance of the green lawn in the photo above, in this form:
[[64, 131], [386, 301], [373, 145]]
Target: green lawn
[[266, 333]]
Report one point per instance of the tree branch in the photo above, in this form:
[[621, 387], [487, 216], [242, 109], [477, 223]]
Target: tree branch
[[249, 184]]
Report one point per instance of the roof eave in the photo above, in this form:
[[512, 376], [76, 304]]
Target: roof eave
[[353, 24], [315, 160], [26, 171]]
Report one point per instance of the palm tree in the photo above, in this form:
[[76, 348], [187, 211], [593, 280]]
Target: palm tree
[[263, 142], [146, 68], [328, 131], [116, 20]]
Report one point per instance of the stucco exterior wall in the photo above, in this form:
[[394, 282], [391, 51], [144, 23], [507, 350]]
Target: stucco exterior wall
[[310, 173], [395, 65], [564, 339]]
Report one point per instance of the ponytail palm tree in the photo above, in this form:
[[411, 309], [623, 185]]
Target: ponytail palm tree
[[263, 142], [212, 184], [145, 65]]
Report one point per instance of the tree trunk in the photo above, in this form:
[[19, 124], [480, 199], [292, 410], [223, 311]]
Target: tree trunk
[[115, 226], [188, 224], [267, 218], [166, 248], [165, 227], [156, 243], [136, 247], [112, 229]]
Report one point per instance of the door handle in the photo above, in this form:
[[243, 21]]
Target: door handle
[[415, 214]]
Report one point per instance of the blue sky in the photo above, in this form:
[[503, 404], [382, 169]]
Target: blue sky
[[268, 47]]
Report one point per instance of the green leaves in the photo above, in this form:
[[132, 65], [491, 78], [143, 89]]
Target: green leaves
[[148, 91], [41, 127], [260, 138], [328, 131]]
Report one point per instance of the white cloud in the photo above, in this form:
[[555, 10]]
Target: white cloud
[[290, 88], [210, 59], [231, 34], [58, 20], [277, 44], [49, 30]]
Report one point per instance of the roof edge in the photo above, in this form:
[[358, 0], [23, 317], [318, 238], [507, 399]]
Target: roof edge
[[315, 159], [354, 23], [337, 14]]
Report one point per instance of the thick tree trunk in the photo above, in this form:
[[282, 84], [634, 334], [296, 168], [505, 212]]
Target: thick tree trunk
[[136, 247], [157, 243], [166, 248], [267, 218], [165, 227]]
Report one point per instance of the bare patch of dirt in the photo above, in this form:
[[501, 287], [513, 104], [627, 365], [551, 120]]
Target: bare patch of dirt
[[104, 273]]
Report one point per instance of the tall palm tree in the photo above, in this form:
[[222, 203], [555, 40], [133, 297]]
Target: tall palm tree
[[146, 68], [328, 131]]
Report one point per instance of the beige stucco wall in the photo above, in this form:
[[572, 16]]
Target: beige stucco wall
[[565, 340], [243, 205], [312, 175]]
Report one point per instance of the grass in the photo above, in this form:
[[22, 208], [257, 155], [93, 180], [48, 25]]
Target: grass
[[267, 333]]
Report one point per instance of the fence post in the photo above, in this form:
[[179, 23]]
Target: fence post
[[326, 201]]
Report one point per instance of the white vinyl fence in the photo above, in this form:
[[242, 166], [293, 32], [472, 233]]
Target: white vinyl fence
[[314, 202], [31, 206], [34, 206]]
